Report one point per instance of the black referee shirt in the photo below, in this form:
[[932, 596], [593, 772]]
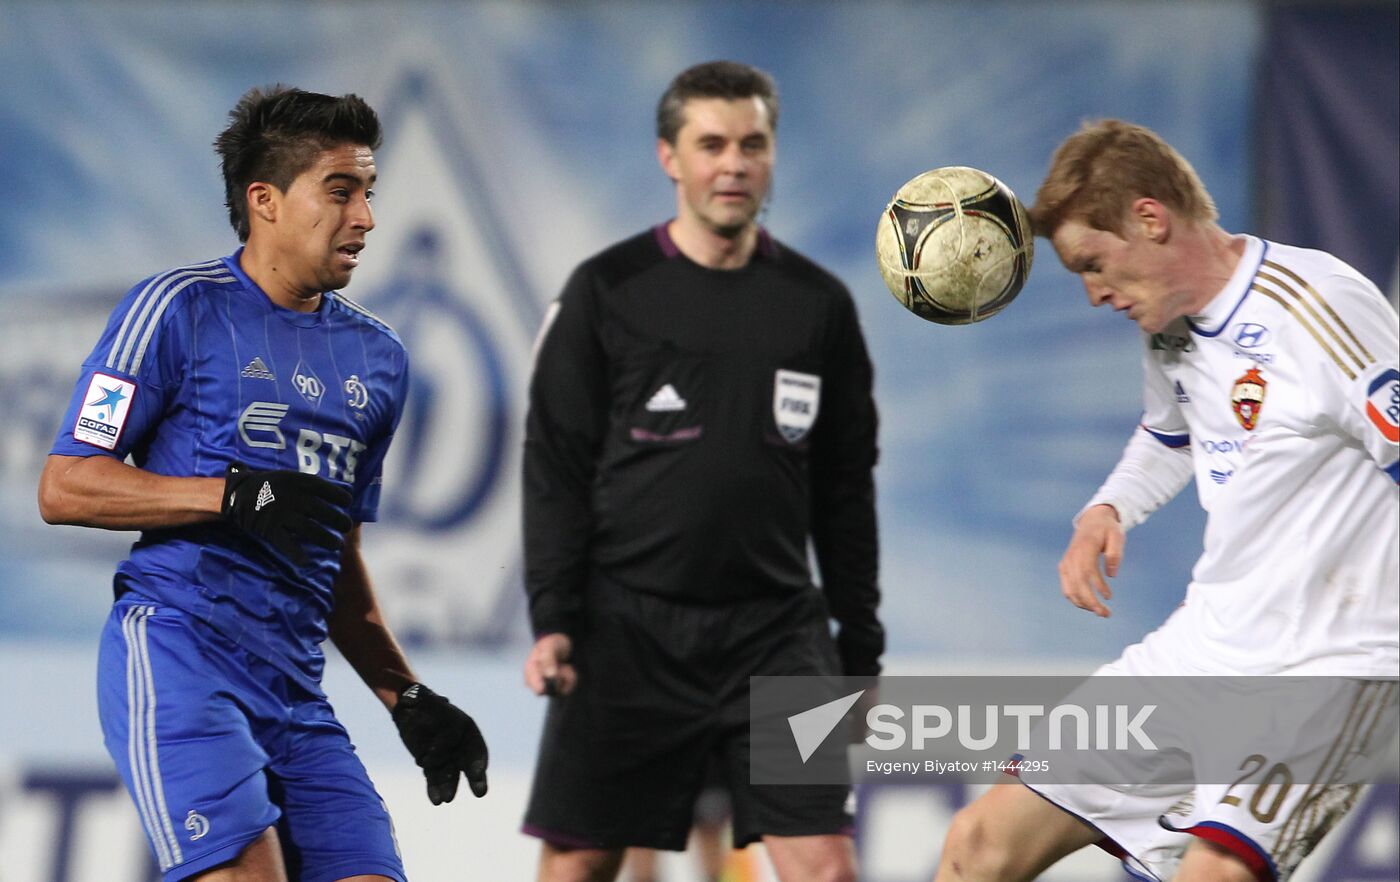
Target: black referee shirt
[[690, 429]]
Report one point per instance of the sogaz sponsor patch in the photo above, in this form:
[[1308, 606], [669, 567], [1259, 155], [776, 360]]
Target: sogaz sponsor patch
[[105, 406]]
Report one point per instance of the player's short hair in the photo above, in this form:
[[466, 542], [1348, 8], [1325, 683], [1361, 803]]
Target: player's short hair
[[1099, 171], [713, 79], [275, 133]]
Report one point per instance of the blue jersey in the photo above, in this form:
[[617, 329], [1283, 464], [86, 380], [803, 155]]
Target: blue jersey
[[197, 368]]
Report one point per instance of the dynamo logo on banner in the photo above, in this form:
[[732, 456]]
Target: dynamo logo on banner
[[440, 271]]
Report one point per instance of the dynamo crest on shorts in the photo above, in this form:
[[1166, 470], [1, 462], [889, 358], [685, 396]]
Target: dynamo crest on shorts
[[796, 397]]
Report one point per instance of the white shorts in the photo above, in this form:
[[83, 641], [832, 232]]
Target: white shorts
[[1267, 791]]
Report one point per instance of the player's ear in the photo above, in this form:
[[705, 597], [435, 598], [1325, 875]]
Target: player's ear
[[666, 157], [1152, 218], [262, 201]]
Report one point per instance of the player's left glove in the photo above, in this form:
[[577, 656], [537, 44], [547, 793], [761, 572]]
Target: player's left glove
[[287, 509], [444, 741]]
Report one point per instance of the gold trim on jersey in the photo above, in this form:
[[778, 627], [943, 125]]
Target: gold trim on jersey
[[1325, 305], [1311, 319], [1351, 375]]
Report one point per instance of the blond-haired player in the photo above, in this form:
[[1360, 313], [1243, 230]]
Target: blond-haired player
[[1270, 374]]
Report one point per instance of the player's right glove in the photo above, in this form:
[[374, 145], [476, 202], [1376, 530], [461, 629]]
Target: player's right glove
[[287, 508], [444, 741]]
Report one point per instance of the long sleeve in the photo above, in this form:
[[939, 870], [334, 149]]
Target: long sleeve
[[1367, 407], [564, 428], [844, 530], [1148, 475], [1156, 463]]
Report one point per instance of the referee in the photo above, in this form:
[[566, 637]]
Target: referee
[[700, 410]]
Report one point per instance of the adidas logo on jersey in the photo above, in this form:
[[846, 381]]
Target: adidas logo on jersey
[[265, 496], [666, 399], [257, 369]]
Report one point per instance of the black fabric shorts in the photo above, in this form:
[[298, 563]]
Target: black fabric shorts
[[662, 693]]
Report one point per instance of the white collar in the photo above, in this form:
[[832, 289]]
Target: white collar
[[1216, 315]]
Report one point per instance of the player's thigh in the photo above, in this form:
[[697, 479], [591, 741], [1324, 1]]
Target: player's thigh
[[334, 824], [1015, 831], [1208, 862], [181, 743], [261, 861]]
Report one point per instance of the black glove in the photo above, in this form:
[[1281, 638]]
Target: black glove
[[287, 508], [444, 741]]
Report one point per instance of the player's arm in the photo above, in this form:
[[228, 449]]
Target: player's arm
[[844, 530], [118, 404], [1150, 473], [1154, 467], [444, 741], [99, 491], [358, 629], [564, 430], [284, 508]]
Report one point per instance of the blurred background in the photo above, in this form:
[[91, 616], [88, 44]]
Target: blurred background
[[520, 140]]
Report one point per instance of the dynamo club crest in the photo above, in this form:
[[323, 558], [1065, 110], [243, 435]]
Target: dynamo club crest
[[796, 397]]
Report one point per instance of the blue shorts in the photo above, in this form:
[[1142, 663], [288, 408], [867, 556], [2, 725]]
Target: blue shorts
[[215, 746]]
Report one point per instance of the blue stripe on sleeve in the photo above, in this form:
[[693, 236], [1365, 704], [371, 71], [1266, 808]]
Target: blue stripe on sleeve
[[1169, 440]]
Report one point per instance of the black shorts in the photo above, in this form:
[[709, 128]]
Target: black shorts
[[663, 691]]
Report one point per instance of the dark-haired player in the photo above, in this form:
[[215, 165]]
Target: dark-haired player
[[700, 410], [257, 404]]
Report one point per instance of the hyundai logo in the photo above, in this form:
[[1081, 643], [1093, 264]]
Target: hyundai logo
[[1249, 335]]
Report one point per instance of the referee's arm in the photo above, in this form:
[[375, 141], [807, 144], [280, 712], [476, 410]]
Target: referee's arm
[[844, 531], [563, 435]]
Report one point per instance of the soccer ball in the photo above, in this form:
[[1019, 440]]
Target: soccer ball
[[955, 245]]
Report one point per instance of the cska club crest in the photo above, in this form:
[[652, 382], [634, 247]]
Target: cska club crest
[[1247, 398]]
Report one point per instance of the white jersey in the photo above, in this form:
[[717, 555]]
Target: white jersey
[[1286, 394]]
